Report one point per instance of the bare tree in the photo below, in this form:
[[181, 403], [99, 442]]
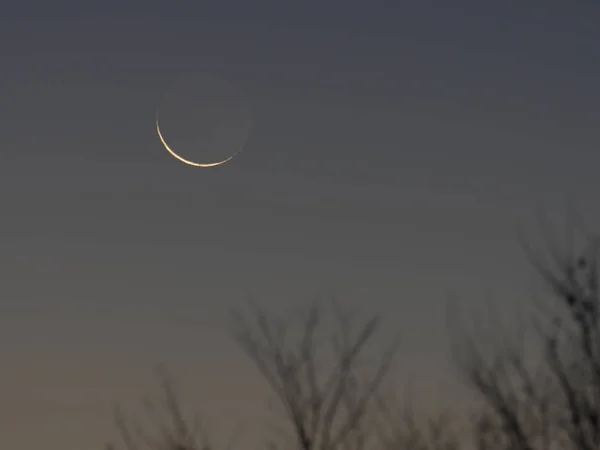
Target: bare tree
[[400, 427], [548, 398], [329, 387], [170, 428], [323, 383]]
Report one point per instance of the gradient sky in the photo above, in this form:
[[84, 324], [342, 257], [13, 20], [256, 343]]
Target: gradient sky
[[393, 152]]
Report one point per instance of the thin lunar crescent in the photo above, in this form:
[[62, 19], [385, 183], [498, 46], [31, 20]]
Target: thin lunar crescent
[[186, 161]]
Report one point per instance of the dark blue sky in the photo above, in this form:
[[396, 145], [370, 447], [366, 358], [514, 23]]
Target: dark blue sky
[[394, 150]]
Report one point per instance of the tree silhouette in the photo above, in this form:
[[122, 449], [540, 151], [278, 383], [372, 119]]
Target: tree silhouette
[[539, 387], [320, 380], [332, 395], [548, 398], [171, 429]]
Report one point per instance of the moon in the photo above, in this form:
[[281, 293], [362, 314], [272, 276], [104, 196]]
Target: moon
[[187, 161], [203, 122]]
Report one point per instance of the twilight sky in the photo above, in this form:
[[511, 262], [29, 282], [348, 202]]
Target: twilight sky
[[393, 152]]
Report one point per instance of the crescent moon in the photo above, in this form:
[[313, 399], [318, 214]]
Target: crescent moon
[[187, 161]]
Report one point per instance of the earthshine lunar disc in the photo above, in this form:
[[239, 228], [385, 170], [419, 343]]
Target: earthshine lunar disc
[[203, 121]]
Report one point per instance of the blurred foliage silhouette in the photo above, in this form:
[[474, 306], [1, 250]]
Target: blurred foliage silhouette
[[170, 430], [538, 388]]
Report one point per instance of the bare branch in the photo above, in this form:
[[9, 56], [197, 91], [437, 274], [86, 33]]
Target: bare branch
[[326, 404]]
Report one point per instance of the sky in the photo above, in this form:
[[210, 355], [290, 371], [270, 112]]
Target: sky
[[394, 150]]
